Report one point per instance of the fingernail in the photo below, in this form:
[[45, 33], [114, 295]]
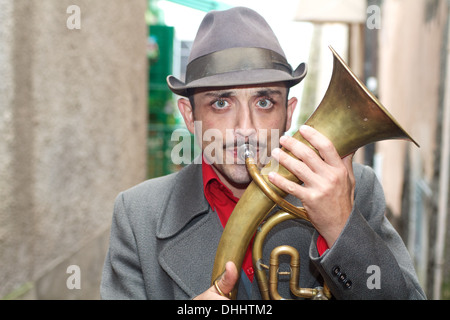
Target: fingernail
[[283, 139], [271, 175], [276, 152], [305, 127]]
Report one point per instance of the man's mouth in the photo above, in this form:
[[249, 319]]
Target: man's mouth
[[238, 152]]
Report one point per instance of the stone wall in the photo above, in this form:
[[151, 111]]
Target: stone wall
[[410, 67], [413, 69], [73, 122]]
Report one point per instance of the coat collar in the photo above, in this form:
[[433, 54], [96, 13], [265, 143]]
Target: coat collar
[[177, 214]]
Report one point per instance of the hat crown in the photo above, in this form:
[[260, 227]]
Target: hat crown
[[235, 47], [233, 28]]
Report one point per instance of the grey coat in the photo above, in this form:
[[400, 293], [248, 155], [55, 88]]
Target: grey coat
[[164, 237]]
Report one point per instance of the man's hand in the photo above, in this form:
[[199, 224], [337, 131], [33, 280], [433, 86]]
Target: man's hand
[[329, 183], [226, 284]]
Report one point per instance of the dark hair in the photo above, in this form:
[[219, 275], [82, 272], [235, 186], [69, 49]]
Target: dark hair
[[190, 95]]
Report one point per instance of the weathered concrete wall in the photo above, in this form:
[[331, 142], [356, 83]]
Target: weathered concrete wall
[[411, 40], [73, 134], [413, 58]]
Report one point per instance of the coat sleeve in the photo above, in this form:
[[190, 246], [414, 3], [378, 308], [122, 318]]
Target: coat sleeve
[[122, 275], [369, 259]]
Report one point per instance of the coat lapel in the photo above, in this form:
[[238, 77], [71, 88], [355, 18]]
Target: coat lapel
[[189, 232], [185, 202]]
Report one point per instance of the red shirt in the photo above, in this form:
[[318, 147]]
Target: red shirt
[[222, 201]]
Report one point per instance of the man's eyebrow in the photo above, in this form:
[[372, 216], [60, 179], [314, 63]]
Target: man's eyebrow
[[219, 94], [268, 92], [229, 93]]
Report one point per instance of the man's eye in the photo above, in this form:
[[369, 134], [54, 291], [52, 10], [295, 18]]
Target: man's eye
[[264, 103], [220, 104]]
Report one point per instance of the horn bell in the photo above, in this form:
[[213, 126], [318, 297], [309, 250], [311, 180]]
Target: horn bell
[[350, 115]]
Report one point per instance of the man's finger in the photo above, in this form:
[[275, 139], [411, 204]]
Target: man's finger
[[322, 144]]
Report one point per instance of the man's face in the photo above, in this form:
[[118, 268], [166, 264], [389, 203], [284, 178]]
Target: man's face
[[225, 118]]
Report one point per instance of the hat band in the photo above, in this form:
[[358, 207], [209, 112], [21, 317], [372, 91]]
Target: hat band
[[235, 59]]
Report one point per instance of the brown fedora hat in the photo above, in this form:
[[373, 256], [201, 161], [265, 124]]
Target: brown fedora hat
[[235, 47]]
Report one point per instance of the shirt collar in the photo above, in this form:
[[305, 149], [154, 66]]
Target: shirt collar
[[216, 192]]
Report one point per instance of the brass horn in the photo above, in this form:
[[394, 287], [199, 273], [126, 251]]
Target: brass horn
[[351, 117]]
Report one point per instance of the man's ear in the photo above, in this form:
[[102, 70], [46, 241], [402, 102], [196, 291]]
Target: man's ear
[[291, 104], [187, 112]]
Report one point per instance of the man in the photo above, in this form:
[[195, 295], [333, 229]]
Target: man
[[165, 231]]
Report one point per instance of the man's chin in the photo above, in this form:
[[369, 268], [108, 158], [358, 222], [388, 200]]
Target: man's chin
[[236, 174]]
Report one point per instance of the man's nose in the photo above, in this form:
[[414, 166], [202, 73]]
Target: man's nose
[[245, 126]]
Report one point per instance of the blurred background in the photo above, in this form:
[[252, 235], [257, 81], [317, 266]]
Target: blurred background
[[85, 113]]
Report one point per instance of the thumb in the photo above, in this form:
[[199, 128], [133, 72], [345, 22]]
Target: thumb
[[229, 278]]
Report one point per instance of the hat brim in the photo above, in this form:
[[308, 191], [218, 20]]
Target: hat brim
[[238, 78]]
